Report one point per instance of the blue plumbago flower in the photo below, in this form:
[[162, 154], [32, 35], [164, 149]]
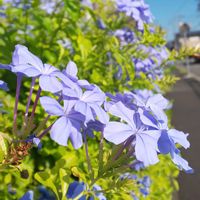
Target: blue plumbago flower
[[145, 141], [27, 196], [92, 126], [146, 181], [32, 138], [126, 36], [166, 144], [136, 9], [45, 194], [145, 184], [144, 191], [68, 125], [99, 195], [70, 79], [75, 189], [30, 65], [126, 99], [101, 24], [87, 3], [137, 165], [151, 65], [48, 5], [143, 94], [88, 102], [18, 3], [134, 196], [3, 85], [148, 125]]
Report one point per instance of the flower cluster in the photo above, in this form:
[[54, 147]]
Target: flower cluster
[[126, 36], [142, 119], [82, 107], [151, 65], [144, 123], [136, 9]]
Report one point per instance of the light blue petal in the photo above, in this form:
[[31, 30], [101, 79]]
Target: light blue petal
[[146, 149], [51, 106], [117, 132], [93, 96], [50, 83], [179, 137], [85, 84], [28, 195], [100, 112], [147, 118], [76, 138], [159, 101], [3, 66], [61, 131], [71, 93], [160, 116], [71, 69], [22, 55], [120, 110], [26, 69], [49, 69], [84, 109], [68, 105], [181, 163], [165, 145], [3, 85]]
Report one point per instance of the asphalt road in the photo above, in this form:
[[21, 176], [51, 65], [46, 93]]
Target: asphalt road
[[186, 117]]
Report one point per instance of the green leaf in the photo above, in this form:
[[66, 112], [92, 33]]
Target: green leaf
[[3, 147], [64, 179], [85, 46], [47, 180]]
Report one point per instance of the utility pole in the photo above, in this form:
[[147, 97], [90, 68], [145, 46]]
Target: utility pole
[[184, 30]]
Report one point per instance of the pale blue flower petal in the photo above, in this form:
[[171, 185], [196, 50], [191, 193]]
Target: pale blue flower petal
[[61, 131], [72, 70], [123, 112], [76, 138], [181, 163], [93, 96], [146, 148], [100, 112], [51, 106], [3, 85], [159, 101], [117, 132], [27, 70], [179, 137], [22, 55], [50, 83], [85, 109]]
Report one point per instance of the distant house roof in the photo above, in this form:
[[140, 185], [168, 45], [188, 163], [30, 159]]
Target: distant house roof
[[190, 34]]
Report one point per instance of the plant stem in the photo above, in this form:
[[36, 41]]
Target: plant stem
[[27, 106], [100, 154], [126, 144], [91, 172], [29, 97], [35, 103], [45, 131], [19, 80]]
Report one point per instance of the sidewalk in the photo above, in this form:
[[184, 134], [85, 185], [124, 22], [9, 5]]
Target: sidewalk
[[186, 117]]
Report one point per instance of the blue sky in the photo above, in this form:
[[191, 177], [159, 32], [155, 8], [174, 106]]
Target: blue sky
[[169, 13]]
